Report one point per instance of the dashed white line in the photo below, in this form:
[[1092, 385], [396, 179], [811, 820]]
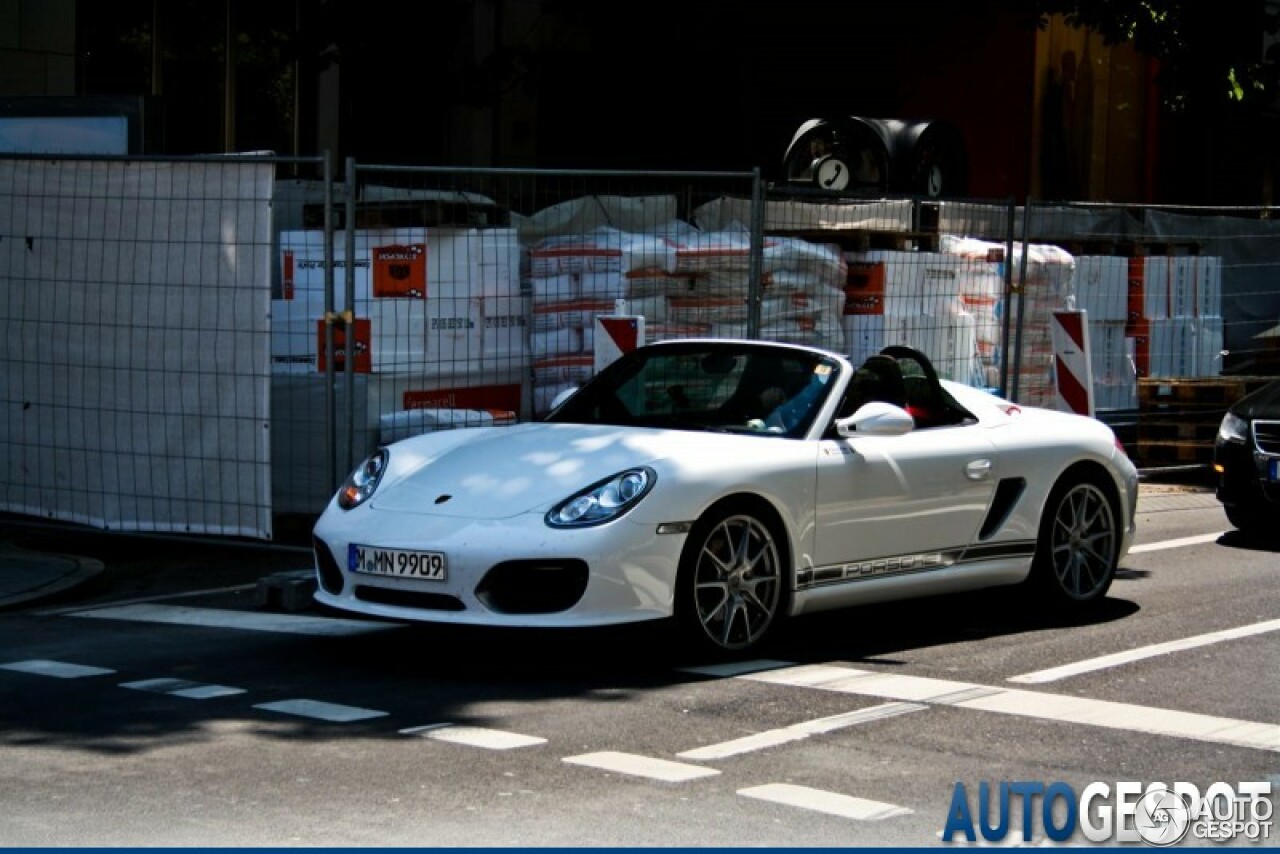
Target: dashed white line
[[844, 806], [183, 688], [1116, 659], [796, 732], [159, 597], [730, 669], [56, 669], [1012, 701], [331, 712], [642, 766], [223, 619], [474, 736], [1176, 544]]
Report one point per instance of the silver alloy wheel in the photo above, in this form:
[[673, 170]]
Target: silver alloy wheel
[[737, 582], [1082, 542]]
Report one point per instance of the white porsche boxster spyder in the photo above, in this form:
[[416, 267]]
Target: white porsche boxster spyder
[[728, 485]]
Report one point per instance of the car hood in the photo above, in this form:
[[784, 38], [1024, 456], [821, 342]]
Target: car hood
[[1263, 403], [496, 473]]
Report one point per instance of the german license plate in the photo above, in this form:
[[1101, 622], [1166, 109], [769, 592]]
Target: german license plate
[[402, 563]]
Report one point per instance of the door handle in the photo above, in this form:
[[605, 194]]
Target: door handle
[[977, 469]]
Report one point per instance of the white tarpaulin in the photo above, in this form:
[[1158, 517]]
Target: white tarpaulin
[[134, 368], [583, 215], [876, 215]]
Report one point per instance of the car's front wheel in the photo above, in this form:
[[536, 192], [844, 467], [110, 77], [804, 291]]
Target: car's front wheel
[[1079, 540], [1247, 520], [731, 589]]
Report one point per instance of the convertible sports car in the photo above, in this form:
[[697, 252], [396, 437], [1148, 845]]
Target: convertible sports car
[[728, 485]]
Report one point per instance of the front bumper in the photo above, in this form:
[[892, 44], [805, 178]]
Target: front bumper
[[1244, 479], [511, 572], [1131, 485]]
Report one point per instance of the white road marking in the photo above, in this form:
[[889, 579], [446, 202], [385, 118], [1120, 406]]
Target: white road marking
[[332, 712], [845, 806], [796, 732], [642, 766], [295, 624], [207, 692], [1176, 544], [474, 736], [735, 668], [183, 688], [56, 669], [160, 597], [1031, 704], [1116, 659]]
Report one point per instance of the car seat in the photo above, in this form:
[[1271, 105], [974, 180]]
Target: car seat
[[891, 387], [925, 398], [878, 378]]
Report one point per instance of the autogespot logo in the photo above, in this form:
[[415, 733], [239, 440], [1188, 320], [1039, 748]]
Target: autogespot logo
[[1162, 817], [1156, 814]]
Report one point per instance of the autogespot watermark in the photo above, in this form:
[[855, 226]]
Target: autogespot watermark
[[1155, 813]]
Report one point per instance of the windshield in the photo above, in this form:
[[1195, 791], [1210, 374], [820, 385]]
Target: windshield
[[739, 387]]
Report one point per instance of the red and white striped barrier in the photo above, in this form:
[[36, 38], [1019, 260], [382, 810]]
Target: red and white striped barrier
[[1072, 365], [616, 334]]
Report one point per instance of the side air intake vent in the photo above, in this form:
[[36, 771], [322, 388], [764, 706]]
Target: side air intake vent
[[1008, 491]]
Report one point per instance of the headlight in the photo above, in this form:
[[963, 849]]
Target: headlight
[[606, 500], [363, 481], [1233, 429]]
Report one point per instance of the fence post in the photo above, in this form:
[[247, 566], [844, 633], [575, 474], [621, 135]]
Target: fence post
[[330, 399], [349, 313], [756, 258], [1006, 313], [1022, 297]]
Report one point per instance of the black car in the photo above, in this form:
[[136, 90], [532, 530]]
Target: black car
[[1246, 457]]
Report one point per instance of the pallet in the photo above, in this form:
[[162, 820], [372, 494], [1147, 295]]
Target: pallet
[[1189, 429], [1178, 417], [1155, 453], [1185, 395]]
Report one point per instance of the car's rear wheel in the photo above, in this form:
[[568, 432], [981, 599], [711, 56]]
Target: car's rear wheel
[[1079, 540], [731, 589]]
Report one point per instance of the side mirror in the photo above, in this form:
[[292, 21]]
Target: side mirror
[[876, 418]]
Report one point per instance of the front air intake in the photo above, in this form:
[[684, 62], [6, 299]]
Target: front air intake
[[534, 586], [330, 576]]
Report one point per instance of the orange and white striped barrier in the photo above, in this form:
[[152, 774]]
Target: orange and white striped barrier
[[1072, 365], [616, 334]]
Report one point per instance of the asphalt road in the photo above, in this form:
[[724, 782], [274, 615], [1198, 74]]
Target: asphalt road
[[150, 713]]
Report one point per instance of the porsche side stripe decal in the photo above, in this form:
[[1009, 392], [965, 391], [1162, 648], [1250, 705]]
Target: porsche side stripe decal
[[898, 565], [989, 551]]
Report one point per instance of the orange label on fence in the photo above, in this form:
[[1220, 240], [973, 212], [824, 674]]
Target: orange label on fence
[[864, 288], [286, 273], [1136, 306], [1140, 331], [400, 271], [359, 342], [493, 398]]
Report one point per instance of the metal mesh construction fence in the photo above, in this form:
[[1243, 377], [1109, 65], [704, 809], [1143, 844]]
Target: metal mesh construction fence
[[1183, 309], [471, 297], [200, 345]]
